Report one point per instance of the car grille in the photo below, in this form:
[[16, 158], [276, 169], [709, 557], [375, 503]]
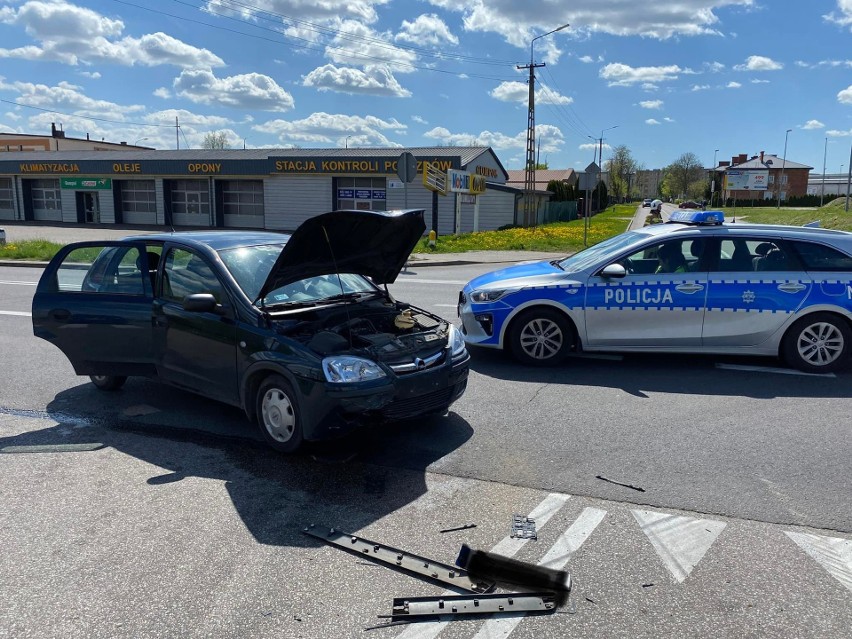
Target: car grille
[[415, 406], [419, 364]]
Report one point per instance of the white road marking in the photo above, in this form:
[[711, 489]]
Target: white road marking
[[557, 558], [16, 313], [770, 369], [679, 541], [446, 305], [18, 283], [832, 553], [507, 547], [417, 280]]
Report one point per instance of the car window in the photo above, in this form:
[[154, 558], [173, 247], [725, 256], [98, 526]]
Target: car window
[[250, 265], [818, 257], [110, 270], [662, 257], [590, 256], [186, 273], [756, 254], [312, 289]]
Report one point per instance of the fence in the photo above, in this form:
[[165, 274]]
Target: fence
[[557, 212]]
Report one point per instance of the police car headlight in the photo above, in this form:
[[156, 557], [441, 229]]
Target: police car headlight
[[346, 370], [456, 340], [491, 295]]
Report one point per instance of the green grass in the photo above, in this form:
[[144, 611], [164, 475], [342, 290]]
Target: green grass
[[562, 237], [35, 250], [830, 216]]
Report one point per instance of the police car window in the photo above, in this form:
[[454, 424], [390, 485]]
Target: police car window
[[108, 270], [756, 254], [659, 258], [592, 255], [818, 257]]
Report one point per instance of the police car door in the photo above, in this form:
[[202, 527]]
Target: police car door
[[754, 287], [659, 303]]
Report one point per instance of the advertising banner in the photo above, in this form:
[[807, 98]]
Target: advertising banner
[[746, 180]]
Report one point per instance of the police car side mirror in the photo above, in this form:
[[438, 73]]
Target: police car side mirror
[[614, 271]]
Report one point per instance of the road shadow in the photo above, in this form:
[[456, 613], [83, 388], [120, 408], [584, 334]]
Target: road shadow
[[347, 483], [640, 374]]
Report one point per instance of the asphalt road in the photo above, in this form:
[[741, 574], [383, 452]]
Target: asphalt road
[[732, 515]]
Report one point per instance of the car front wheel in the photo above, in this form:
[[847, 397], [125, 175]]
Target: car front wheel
[[278, 414], [541, 337], [108, 382], [818, 343]]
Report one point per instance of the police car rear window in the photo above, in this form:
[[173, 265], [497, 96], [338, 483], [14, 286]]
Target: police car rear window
[[818, 257]]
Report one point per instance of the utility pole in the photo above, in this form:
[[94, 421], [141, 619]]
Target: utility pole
[[849, 179], [783, 166], [824, 154], [177, 134]]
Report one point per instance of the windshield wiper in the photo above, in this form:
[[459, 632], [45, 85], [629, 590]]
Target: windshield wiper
[[291, 304], [557, 263], [344, 297]]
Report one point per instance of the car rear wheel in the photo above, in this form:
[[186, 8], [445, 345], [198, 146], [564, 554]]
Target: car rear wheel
[[278, 414], [541, 337], [108, 382], [818, 343]]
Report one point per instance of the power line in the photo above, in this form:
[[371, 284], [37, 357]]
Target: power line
[[570, 108], [88, 117]]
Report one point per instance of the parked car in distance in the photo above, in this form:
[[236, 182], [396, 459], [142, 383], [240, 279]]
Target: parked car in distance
[[646, 203], [295, 330], [2, 236], [691, 285], [689, 204]]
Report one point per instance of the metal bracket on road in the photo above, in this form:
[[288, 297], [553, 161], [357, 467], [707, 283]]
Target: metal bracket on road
[[416, 565], [523, 527], [406, 607]]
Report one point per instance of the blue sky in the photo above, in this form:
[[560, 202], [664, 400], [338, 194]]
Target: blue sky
[[673, 77]]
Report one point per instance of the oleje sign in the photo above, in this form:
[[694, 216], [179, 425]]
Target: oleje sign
[[86, 183]]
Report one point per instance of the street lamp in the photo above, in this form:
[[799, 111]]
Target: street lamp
[[713, 179], [600, 163], [824, 154], [138, 141], [783, 166], [346, 143]]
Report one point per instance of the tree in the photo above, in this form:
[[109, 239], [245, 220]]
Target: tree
[[621, 166], [562, 192], [215, 140], [682, 173]]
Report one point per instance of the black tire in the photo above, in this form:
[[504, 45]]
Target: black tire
[[108, 382], [818, 343], [278, 415], [541, 337]]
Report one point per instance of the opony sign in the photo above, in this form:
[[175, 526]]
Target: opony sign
[[746, 180]]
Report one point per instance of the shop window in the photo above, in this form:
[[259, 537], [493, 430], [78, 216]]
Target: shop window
[[361, 193], [6, 200], [242, 197]]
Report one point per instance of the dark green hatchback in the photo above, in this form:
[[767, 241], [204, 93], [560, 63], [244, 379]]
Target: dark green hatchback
[[298, 331]]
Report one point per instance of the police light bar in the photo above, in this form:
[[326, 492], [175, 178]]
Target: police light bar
[[697, 217]]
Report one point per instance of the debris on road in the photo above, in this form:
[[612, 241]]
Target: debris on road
[[465, 527], [618, 483], [523, 528], [528, 602]]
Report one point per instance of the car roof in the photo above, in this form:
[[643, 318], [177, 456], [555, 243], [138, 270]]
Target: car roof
[[216, 240], [830, 236]]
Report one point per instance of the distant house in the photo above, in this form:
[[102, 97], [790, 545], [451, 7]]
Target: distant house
[[56, 141], [789, 178], [517, 178]]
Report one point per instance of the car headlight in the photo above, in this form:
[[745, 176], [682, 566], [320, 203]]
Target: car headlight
[[456, 340], [490, 295], [345, 370]]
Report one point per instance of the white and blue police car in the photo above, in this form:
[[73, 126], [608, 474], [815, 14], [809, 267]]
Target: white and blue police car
[[692, 285]]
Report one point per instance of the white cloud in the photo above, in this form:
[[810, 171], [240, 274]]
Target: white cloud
[[824, 63], [588, 146], [359, 45], [733, 85], [309, 10], [374, 80], [586, 59], [551, 138], [759, 63], [519, 92], [418, 119], [13, 116], [651, 104], [700, 87], [328, 128], [834, 133], [75, 35], [66, 98], [845, 96], [756, 81], [427, 29], [714, 67], [813, 124], [163, 93], [618, 74], [651, 121], [843, 17], [245, 91], [94, 75], [668, 119]]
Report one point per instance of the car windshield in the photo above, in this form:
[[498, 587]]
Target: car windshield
[[590, 256], [250, 267]]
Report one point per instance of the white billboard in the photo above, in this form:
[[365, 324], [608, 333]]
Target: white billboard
[[746, 180]]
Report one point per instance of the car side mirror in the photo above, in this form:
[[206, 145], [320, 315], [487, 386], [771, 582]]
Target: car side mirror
[[202, 303], [614, 271]]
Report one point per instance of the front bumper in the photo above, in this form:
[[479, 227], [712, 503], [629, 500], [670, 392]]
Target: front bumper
[[481, 323], [338, 409]]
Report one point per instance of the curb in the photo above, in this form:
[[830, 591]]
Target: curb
[[26, 263]]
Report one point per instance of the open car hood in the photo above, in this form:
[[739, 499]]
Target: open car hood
[[372, 243]]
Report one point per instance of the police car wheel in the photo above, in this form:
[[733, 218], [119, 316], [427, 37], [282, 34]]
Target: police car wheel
[[818, 343], [541, 337], [108, 382]]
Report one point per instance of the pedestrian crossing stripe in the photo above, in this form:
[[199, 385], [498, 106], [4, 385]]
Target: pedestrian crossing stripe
[[832, 553]]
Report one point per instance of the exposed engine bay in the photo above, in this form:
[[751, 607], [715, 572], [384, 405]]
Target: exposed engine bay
[[383, 330]]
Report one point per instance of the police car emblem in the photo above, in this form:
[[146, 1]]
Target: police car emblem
[[748, 297]]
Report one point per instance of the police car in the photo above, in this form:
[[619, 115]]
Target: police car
[[692, 285]]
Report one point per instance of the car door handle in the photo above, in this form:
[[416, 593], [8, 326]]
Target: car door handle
[[792, 287], [60, 314], [160, 321], [689, 288]]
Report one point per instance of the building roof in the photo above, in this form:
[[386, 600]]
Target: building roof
[[542, 176], [769, 162]]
